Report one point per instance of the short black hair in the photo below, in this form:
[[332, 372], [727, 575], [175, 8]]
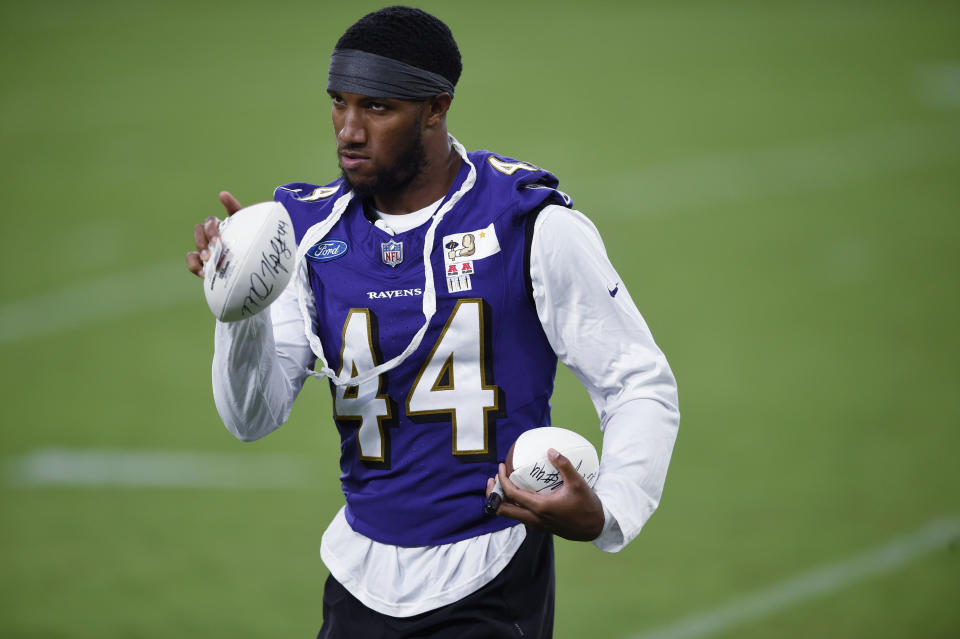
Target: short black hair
[[408, 35]]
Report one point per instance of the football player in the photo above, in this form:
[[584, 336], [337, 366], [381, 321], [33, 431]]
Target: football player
[[436, 289]]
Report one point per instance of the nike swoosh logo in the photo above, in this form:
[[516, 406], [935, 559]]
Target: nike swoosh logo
[[613, 292]]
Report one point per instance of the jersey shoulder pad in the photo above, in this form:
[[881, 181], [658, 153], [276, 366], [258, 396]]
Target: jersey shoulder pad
[[306, 192], [532, 185], [307, 203]]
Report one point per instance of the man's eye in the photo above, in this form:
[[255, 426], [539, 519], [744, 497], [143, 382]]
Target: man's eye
[[378, 106], [336, 99]]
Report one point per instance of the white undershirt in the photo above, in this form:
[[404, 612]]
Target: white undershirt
[[402, 223], [592, 324]]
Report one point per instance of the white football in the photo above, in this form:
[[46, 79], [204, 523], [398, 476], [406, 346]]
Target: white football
[[532, 468], [252, 263]]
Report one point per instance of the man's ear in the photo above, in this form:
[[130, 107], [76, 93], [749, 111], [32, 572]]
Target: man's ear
[[436, 109]]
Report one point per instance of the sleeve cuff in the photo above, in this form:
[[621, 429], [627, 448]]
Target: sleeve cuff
[[611, 537]]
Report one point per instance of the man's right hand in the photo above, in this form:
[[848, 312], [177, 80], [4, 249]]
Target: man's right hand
[[204, 234]]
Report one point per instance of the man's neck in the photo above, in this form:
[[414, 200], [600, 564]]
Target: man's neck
[[430, 185]]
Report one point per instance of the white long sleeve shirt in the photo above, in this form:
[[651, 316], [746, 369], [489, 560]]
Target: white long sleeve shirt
[[261, 363]]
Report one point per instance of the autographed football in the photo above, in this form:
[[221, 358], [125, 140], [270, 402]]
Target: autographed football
[[251, 264], [529, 467]]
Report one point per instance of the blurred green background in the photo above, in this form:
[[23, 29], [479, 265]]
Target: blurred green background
[[778, 184]]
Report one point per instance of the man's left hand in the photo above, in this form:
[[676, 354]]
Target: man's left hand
[[572, 511]]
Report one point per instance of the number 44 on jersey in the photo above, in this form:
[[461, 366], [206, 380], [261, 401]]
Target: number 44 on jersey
[[451, 382]]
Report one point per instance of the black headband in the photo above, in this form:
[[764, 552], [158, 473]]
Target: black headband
[[353, 71]]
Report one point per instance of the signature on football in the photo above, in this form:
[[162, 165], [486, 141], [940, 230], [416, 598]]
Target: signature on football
[[552, 480], [262, 283]]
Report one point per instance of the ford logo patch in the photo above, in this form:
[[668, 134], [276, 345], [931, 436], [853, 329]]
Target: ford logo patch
[[326, 250]]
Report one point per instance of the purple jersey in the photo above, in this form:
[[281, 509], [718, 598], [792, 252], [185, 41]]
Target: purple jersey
[[419, 442]]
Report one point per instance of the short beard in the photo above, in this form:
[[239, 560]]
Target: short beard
[[404, 171]]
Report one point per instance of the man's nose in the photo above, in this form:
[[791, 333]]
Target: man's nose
[[353, 131]]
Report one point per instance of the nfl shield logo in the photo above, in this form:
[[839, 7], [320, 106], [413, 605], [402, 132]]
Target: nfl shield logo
[[391, 252]]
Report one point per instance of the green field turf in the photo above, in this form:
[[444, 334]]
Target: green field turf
[[778, 185]]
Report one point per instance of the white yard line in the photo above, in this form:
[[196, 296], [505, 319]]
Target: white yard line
[[820, 581], [804, 166], [109, 297], [156, 469], [703, 181], [939, 84]]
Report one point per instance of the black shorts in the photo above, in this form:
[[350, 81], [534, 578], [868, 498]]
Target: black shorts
[[517, 603]]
